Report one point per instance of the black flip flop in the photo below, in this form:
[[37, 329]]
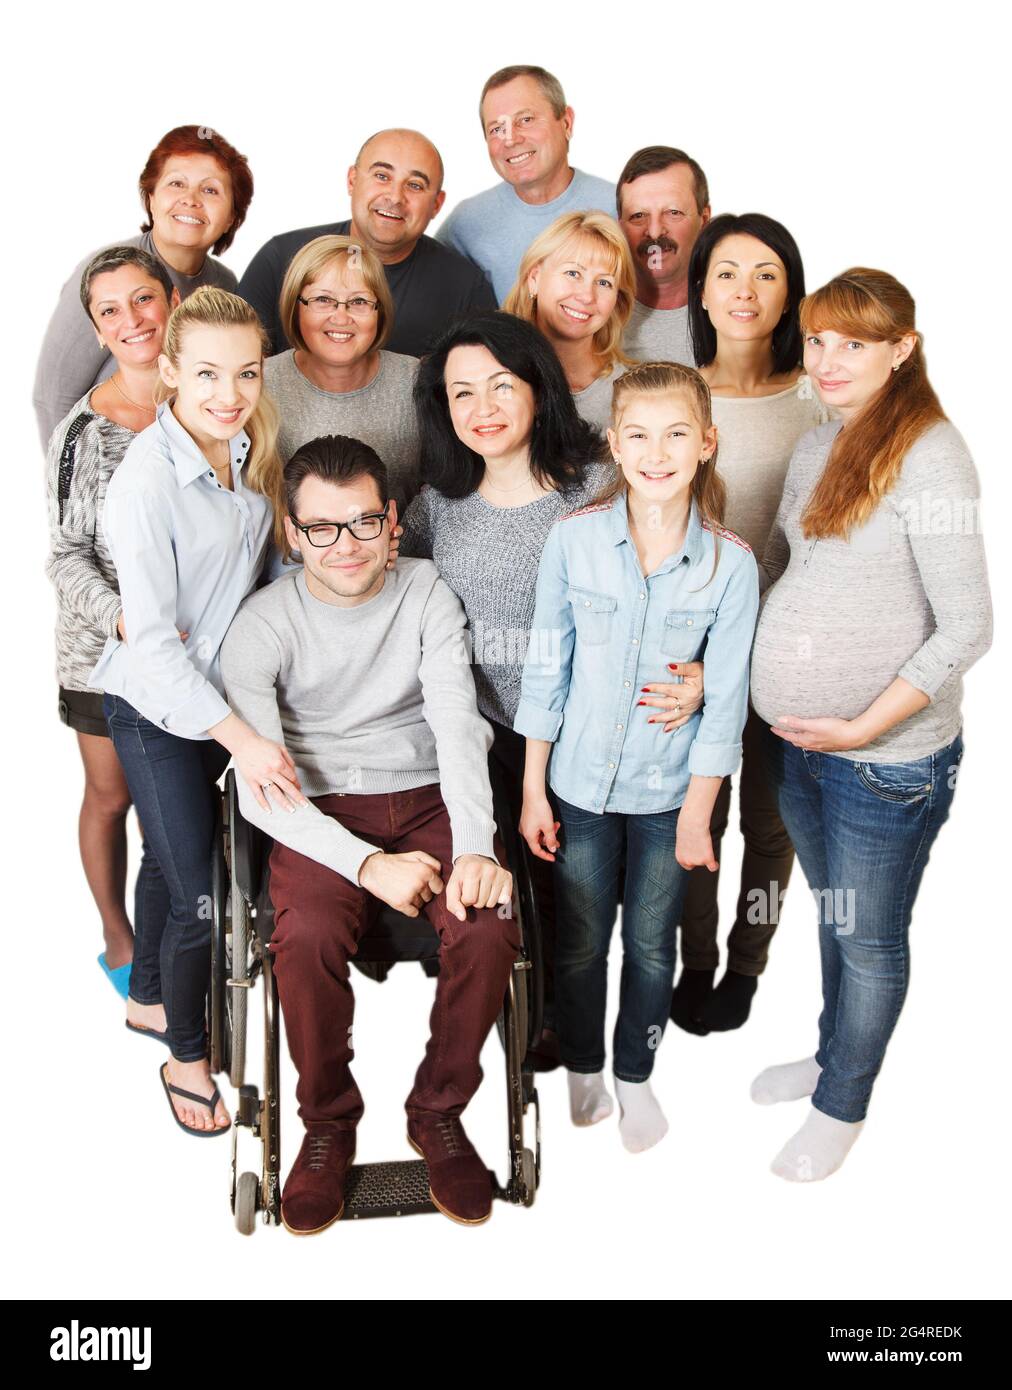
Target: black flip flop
[[149, 1033], [210, 1101]]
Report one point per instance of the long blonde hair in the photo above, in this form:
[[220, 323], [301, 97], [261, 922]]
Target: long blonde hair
[[866, 458], [210, 307], [605, 233], [665, 379]]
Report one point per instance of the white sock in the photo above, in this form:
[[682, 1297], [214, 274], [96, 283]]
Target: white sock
[[589, 1099], [641, 1123], [818, 1148], [791, 1081]]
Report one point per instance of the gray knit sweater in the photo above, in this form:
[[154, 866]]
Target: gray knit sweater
[[906, 595], [85, 450], [372, 699], [489, 556]]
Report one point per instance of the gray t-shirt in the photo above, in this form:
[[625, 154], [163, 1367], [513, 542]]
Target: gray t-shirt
[[71, 361], [376, 698], [756, 436], [658, 335], [593, 403], [381, 414], [489, 556], [905, 595]]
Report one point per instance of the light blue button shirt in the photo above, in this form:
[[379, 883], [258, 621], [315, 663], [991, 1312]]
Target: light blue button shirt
[[602, 631], [187, 551]]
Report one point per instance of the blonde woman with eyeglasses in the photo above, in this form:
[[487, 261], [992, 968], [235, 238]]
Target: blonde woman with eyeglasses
[[336, 308]]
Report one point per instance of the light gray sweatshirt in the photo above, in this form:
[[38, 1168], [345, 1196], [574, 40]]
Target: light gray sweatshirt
[[371, 699], [905, 595]]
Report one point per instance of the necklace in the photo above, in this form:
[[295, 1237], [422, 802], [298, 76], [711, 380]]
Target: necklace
[[136, 404], [526, 483]]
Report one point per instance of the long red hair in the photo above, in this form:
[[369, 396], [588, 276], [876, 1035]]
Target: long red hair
[[867, 456]]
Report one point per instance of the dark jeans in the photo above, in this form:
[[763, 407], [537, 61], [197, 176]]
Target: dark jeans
[[588, 871], [172, 784], [863, 832], [319, 918], [766, 864], [508, 749]]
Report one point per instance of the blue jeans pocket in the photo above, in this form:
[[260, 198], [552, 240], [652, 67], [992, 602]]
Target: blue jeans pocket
[[907, 783]]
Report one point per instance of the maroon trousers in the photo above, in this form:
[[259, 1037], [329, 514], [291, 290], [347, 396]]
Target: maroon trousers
[[319, 918]]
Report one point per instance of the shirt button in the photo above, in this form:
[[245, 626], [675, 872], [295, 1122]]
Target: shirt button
[[626, 684], [586, 603], [636, 641], [210, 472], [618, 726], [688, 622], [642, 595], [611, 764]]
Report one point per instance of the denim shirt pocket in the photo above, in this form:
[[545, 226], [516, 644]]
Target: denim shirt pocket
[[684, 632], [902, 782], [593, 615]]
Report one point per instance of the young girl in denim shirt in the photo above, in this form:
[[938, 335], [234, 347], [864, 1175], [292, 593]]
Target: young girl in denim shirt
[[644, 579]]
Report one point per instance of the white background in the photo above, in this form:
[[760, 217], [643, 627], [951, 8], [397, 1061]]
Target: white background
[[872, 131]]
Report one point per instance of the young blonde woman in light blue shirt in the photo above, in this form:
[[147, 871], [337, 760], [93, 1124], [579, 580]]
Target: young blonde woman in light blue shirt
[[643, 578], [188, 517]]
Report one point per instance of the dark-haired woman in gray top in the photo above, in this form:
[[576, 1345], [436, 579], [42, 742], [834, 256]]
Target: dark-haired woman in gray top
[[127, 296]]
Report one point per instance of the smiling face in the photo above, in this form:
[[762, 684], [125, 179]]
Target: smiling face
[[349, 571], [129, 310], [527, 143], [576, 289], [491, 409], [849, 372], [661, 222], [217, 380], [658, 443], [191, 205], [338, 337], [745, 290], [395, 191]]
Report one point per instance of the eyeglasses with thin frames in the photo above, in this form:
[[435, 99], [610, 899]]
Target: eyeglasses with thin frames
[[358, 306]]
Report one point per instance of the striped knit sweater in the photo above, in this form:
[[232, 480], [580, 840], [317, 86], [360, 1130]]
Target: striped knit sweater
[[84, 452]]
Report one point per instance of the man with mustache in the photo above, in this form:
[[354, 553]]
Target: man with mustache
[[663, 205], [527, 127], [396, 189]]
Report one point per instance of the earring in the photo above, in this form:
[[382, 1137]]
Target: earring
[[897, 366]]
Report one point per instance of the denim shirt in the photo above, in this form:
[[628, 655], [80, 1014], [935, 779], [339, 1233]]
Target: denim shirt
[[187, 551], [602, 631]]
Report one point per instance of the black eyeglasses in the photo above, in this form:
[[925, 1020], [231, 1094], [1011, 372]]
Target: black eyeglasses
[[323, 533], [358, 306]]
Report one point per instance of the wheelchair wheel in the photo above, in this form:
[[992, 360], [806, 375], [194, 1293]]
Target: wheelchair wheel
[[237, 957], [217, 1007], [246, 1194]]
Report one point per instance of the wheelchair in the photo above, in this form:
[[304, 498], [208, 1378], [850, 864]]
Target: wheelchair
[[242, 924]]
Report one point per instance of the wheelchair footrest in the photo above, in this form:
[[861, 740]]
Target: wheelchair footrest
[[399, 1188]]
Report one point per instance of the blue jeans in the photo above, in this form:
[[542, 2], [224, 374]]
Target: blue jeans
[[172, 784], [862, 832], [588, 869]]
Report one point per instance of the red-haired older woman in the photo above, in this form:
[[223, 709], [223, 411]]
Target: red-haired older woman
[[195, 189]]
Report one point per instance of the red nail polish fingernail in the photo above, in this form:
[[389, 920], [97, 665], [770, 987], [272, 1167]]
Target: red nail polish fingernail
[[640, 702], [672, 665], [644, 690]]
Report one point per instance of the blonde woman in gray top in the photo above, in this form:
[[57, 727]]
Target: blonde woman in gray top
[[336, 308], [577, 283], [746, 281], [127, 296]]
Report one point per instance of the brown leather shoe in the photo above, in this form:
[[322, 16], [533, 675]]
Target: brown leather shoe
[[459, 1183], [313, 1196]]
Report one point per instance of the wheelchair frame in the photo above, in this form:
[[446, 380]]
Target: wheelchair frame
[[241, 920]]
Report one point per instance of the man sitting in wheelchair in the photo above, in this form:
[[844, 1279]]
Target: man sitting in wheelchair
[[363, 675]]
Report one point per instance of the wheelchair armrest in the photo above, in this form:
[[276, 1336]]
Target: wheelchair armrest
[[250, 846]]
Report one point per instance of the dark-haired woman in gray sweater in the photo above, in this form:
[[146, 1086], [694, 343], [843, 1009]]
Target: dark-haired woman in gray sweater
[[126, 296], [880, 604]]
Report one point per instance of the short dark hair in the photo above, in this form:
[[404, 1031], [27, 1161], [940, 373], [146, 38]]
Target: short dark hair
[[787, 340], [652, 159], [334, 458], [114, 258], [562, 443], [551, 87]]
